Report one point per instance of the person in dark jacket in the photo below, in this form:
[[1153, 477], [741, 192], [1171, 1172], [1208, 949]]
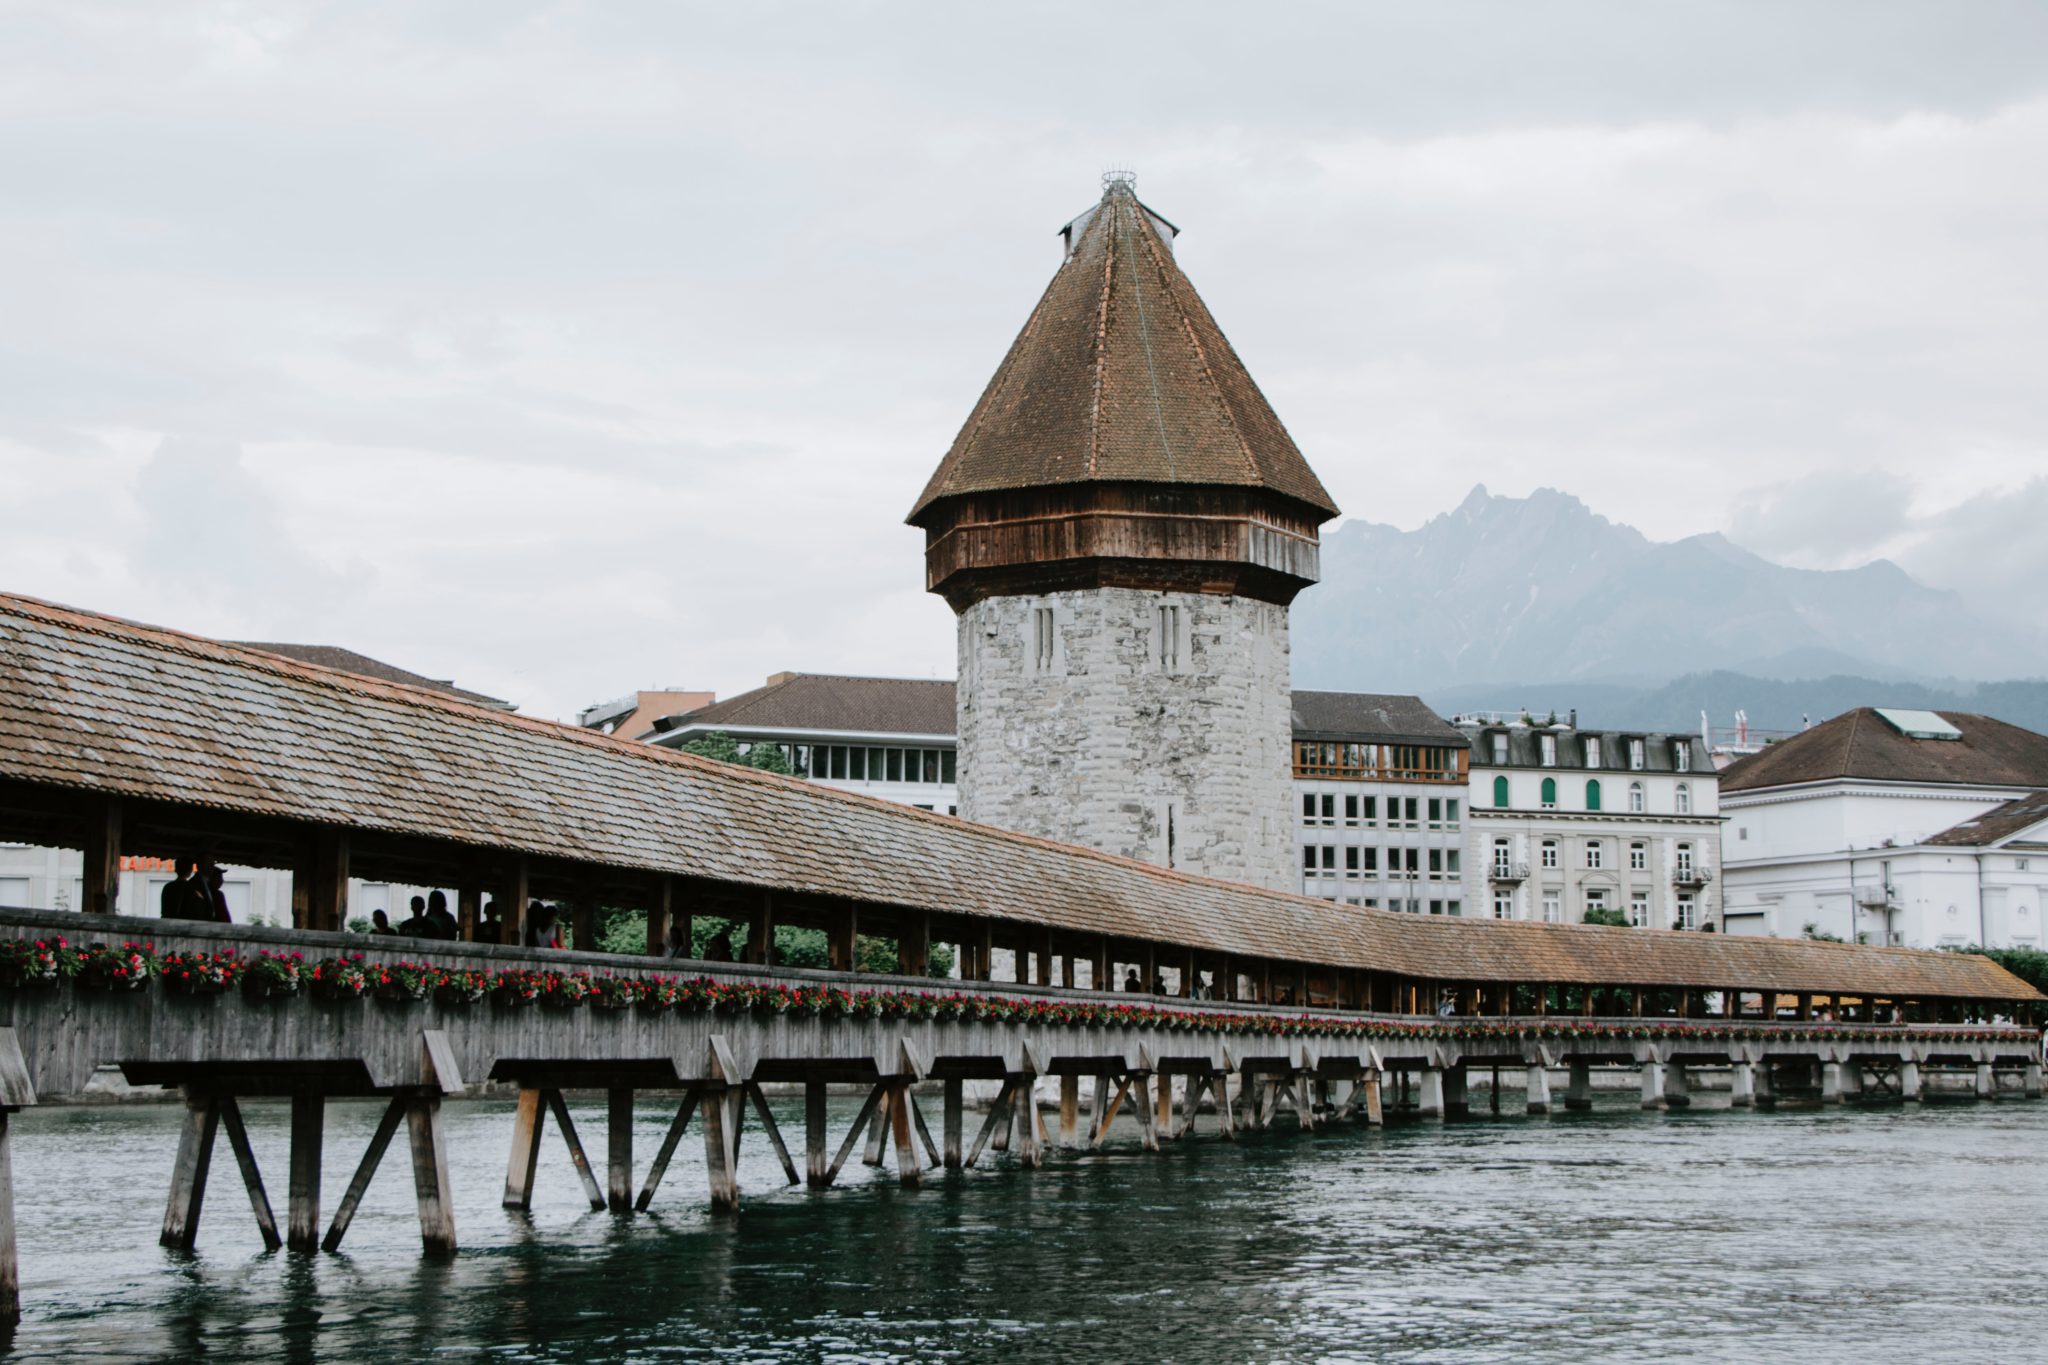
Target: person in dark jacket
[[185, 897], [415, 925], [440, 924], [214, 881], [380, 925]]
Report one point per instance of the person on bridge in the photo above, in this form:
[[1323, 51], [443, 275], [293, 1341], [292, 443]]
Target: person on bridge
[[415, 924], [543, 927], [1131, 982], [720, 947], [490, 929], [380, 925], [185, 897], [440, 924], [214, 882]]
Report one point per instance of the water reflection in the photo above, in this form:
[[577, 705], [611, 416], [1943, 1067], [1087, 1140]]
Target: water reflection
[[1613, 1234]]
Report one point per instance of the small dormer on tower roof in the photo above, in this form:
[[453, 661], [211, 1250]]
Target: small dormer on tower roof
[[1121, 402]]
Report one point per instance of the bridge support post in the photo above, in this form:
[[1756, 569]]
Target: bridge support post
[[878, 1130], [954, 1121], [302, 1198], [909, 1164], [1030, 1151], [721, 1155], [528, 1123], [817, 1164], [1909, 1080], [618, 1142], [2030, 1081], [1163, 1120], [1455, 1103], [1987, 1081], [1141, 1088], [1742, 1084], [1766, 1085], [1536, 1083], [10, 1265], [1677, 1090], [1653, 1081], [1375, 1108], [1429, 1093], [430, 1175], [188, 1172], [1070, 1112], [1830, 1082], [1578, 1089]]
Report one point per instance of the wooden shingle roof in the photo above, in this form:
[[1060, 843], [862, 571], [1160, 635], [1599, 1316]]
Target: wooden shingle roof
[[1121, 376], [94, 704]]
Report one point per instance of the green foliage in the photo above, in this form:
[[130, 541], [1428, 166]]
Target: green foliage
[[358, 924], [1616, 918], [718, 744], [768, 758], [1813, 931], [625, 931], [622, 931]]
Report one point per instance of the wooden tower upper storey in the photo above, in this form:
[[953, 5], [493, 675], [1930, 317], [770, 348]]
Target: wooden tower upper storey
[[1121, 443]]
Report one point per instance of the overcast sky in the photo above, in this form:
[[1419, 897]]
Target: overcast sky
[[567, 349]]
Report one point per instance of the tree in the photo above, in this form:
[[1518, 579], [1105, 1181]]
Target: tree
[[718, 744], [1601, 915], [769, 758]]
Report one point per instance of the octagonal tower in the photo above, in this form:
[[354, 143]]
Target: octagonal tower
[[1120, 527]]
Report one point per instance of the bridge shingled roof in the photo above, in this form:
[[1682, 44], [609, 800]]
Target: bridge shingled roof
[[91, 703]]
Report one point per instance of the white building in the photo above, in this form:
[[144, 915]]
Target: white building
[[1915, 828], [1564, 821], [1380, 789], [887, 737]]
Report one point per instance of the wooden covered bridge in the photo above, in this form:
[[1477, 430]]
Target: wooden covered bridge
[[117, 738]]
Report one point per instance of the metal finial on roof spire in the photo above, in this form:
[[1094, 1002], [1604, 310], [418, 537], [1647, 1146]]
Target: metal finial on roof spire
[[1120, 177]]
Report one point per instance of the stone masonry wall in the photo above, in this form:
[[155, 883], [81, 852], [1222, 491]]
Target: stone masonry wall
[[1120, 739]]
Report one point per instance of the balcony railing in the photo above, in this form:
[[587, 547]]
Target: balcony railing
[[1693, 875], [1508, 872]]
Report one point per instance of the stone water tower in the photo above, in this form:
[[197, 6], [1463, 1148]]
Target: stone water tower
[[1120, 527]]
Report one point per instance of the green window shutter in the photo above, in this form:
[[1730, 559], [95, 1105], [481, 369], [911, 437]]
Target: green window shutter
[[1549, 791], [1500, 792], [1593, 795]]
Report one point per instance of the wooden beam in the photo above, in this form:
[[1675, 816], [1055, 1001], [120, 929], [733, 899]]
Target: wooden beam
[[567, 1126], [676, 1128], [768, 1126], [103, 860], [252, 1178], [721, 1149], [909, 1168], [1000, 1110], [512, 916], [583, 911], [326, 899], [860, 1121], [660, 900], [359, 1184], [953, 1106], [188, 1172], [430, 1174], [618, 1142], [760, 950], [529, 1121], [914, 943], [924, 1134], [302, 1204], [815, 1163], [469, 898]]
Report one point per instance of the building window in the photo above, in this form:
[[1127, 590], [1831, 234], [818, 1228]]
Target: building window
[[1593, 854], [1452, 858], [1500, 749], [949, 769], [1169, 638], [1592, 751], [1308, 859], [1639, 908], [1685, 910], [1684, 860], [1553, 908], [1436, 864], [1684, 799], [1369, 809], [1454, 907], [1503, 858], [2019, 864], [1550, 793], [1681, 755], [1503, 905], [1042, 638], [1371, 859], [1638, 857], [1351, 810], [1550, 751], [1550, 853], [1593, 795], [1635, 755], [1308, 808], [1451, 812], [1351, 861], [1500, 793], [1596, 902], [1636, 804]]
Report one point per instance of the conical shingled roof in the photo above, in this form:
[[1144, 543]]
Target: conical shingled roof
[[1121, 376]]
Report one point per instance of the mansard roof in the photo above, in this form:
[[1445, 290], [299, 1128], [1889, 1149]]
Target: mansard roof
[[1372, 716], [826, 701], [2001, 824], [1860, 744], [168, 721], [1121, 376]]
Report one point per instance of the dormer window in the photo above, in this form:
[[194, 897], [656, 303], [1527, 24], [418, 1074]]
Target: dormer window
[[1592, 751], [1500, 749], [1635, 755], [1550, 751], [1681, 755]]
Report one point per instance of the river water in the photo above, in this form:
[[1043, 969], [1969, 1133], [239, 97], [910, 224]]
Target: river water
[[1910, 1234]]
